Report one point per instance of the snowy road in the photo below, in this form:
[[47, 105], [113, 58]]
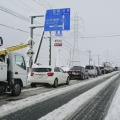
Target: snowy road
[[40, 109], [97, 107], [35, 91]]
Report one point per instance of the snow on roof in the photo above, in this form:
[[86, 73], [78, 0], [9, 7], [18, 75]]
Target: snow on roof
[[65, 68]]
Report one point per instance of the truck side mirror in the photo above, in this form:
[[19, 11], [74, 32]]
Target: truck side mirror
[[1, 41], [8, 61]]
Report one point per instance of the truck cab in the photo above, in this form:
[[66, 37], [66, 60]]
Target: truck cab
[[13, 72]]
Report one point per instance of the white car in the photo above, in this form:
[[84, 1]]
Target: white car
[[92, 71], [47, 75]]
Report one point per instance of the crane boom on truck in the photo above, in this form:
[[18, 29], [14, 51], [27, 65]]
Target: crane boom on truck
[[13, 72], [12, 49]]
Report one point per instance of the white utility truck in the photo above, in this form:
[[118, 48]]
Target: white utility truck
[[13, 71]]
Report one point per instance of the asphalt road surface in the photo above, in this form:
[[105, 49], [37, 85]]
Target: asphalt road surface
[[41, 109], [97, 107]]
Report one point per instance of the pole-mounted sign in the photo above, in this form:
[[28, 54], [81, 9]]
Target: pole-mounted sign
[[57, 20]]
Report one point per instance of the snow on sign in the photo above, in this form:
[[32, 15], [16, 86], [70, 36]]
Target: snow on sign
[[58, 43], [57, 20], [30, 53]]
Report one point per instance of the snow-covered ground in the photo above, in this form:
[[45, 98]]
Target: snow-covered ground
[[69, 108], [114, 110], [31, 89], [20, 104]]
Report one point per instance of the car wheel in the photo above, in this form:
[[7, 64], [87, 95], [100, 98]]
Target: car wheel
[[55, 83], [33, 85], [68, 81], [83, 77], [16, 90]]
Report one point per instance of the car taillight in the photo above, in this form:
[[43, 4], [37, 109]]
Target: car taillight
[[69, 73], [32, 73], [50, 73], [79, 73]]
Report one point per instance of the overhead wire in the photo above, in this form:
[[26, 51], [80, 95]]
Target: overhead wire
[[17, 29], [47, 3], [38, 3], [13, 13], [19, 5]]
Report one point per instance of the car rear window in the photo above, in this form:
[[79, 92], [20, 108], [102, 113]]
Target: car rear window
[[41, 69], [101, 67], [76, 68], [89, 67]]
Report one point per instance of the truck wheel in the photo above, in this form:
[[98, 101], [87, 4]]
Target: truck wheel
[[2, 90], [16, 90]]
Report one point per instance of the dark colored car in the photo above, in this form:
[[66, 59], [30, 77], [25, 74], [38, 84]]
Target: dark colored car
[[78, 72], [102, 70], [98, 71]]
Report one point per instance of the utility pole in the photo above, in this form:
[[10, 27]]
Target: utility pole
[[89, 52], [31, 36], [70, 59], [50, 50], [98, 60], [75, 47]]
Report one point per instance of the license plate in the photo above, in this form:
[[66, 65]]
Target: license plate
[[73, 73]]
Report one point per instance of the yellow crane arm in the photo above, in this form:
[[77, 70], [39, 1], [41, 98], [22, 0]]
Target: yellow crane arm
[[13, 48]]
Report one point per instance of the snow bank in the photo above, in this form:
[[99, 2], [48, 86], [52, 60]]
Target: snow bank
[[69, 108], [114, 110], [20, 104]]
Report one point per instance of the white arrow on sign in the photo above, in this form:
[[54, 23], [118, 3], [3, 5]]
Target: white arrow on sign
[[31, 43], [51, 26], [30, 53]]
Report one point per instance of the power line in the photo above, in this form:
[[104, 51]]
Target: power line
[[17, 29], [104, 36], [18, 15], [38, 3], [18, 4], [24, 4], [47, 3]]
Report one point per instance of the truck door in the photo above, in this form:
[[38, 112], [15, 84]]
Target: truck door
[[20, 70], [3, 71]]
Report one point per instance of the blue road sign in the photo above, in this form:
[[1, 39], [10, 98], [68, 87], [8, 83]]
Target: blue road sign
[[58, 33], [57, 20]]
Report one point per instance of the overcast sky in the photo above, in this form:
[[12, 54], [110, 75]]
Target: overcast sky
[[99, 18]]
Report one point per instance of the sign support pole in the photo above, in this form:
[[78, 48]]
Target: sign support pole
[[39, 47], [31, 36], [50, 50], [32, 27]]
